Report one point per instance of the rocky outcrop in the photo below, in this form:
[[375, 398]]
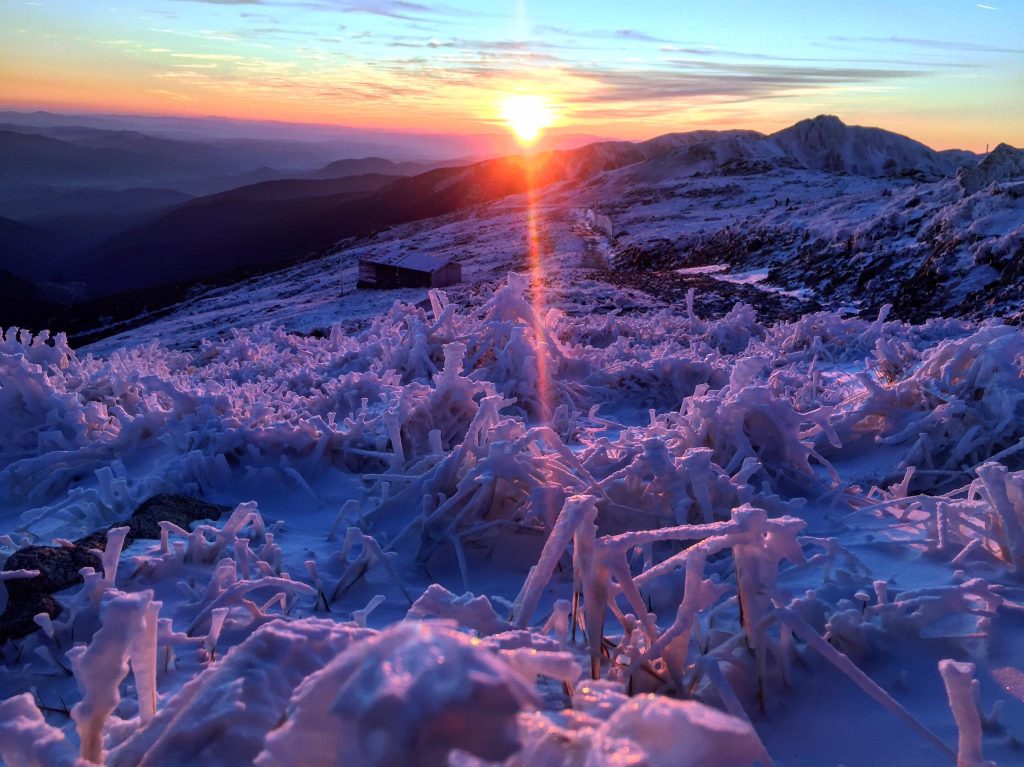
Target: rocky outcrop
[[1004, 163]]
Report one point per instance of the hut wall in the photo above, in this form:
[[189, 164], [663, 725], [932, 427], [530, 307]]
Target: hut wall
[[448, 274], [388, 277]]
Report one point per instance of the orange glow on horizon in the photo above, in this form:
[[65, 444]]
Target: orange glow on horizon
[[116, 92]]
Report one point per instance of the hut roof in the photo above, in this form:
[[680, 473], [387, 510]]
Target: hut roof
[[416, 261]]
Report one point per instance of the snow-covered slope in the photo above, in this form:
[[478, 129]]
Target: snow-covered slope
[[851, 237], [704, 152]]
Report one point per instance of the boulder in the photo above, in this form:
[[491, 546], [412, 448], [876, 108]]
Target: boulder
[[166, 507]]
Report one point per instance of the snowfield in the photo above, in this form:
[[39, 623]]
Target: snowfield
[[512, 529]]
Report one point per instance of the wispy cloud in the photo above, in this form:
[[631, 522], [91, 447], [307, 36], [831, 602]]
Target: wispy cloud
[[633, 35], [169, 94], [207, 56], [403, 10], [923, 42], [712, 52], [225, 2], [703, 80], [517, 48], [395, 9]]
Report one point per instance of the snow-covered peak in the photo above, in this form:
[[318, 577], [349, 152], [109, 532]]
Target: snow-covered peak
[[826, 143], [1001, 164]]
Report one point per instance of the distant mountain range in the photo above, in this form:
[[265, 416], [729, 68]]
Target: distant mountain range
[[58, 157], [334, 141]]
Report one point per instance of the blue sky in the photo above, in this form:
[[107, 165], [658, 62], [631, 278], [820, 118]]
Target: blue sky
[[948, 72]]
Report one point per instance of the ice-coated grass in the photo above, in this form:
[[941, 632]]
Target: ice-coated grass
[[562, 540]]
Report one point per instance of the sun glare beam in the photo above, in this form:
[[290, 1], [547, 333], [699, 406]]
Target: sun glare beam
[[527, 115]]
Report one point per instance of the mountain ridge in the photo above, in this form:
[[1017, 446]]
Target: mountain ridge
[[268, 225]]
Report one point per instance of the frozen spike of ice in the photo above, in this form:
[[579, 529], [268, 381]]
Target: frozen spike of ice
[[217, 618], [142, 653], [361, 616], [111, 555], [100, 667], [959, 681], [17, 575], [575, 513]]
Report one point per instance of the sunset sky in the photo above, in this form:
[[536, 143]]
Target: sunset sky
[[949, 73]]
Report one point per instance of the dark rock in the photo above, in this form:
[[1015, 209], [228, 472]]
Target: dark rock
[[58, 568], [97, 540], [179, 509], [17, 620]]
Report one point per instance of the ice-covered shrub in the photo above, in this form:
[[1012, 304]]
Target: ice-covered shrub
[[42, 412], [658, 471], [985, 518], [241, 563], [222, 715], [961, 406], [684, 654], [748, 422]]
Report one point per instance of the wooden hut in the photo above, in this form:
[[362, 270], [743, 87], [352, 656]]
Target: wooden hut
[[409, 270]]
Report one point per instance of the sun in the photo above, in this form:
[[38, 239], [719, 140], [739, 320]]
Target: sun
[[527, 115]]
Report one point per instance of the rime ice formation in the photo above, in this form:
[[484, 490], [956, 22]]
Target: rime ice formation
[[479, 534], [409, 695]]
